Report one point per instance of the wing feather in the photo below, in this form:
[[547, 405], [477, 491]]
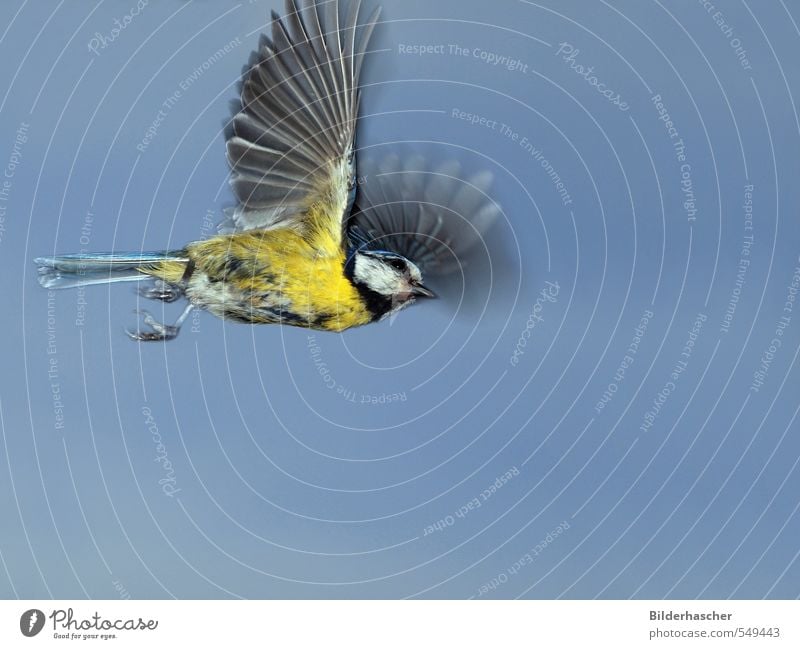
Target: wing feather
[[291, 144], [433, 215]]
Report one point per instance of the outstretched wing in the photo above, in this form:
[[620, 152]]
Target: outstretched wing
[[429, 214], [292, 143]]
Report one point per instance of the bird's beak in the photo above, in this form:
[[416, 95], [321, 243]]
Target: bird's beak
[[418, 290]]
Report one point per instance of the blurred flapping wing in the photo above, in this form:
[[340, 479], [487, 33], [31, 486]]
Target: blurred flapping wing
[[430, 214]]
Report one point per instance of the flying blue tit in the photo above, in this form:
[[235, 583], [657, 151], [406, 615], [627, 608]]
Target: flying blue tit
[[306, 245]]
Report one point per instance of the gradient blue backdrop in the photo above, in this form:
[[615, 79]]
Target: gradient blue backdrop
[[335, 465]]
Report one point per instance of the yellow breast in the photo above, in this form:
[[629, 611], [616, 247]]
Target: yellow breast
[[266, 276]]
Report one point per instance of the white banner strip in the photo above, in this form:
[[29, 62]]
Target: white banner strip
[[400, 624]]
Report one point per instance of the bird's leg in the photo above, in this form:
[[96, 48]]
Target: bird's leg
[[159, 332], [161, 290]]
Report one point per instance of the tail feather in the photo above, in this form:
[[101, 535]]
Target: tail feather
[[69, 271]]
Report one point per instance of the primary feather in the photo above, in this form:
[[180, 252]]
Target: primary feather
[[292, 149]]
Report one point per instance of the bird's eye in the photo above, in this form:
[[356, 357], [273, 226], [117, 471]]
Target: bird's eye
[[397, 264]]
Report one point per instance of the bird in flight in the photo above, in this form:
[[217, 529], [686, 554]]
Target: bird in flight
[[310, 243]]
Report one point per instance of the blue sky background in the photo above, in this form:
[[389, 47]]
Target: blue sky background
[[377, 481]]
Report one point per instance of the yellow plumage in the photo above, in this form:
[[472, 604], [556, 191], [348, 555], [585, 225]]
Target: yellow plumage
[[294, 275]]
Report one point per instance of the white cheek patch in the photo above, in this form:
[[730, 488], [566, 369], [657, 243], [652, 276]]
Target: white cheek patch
[[377, 276]]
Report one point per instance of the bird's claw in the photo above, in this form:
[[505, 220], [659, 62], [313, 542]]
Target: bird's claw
[[159, 332]]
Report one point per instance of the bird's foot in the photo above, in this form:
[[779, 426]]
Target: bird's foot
[[161, 290], [158, 332]]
